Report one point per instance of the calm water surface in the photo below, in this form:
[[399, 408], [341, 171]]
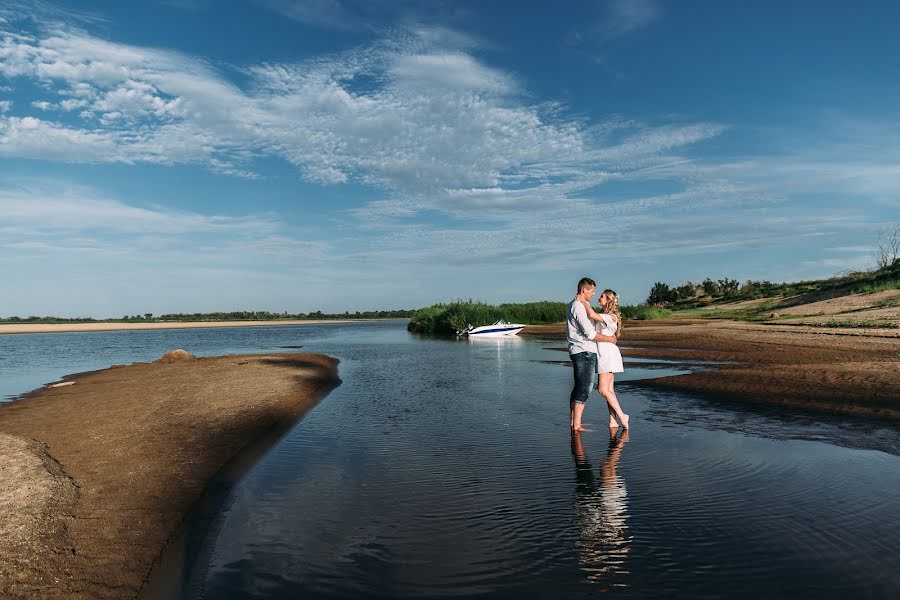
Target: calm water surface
[[443, 468]]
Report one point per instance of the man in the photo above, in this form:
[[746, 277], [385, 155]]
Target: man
[[582, 336]]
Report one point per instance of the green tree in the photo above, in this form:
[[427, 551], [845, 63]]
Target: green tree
[[710, 287], [661, 293], [686, 290], [728, 287]]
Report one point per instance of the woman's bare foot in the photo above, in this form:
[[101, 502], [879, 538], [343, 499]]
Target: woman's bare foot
[[613, 423], [579, 428], [625, 419]]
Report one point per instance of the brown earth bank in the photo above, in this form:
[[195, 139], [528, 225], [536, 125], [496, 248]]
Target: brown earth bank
[[97, 474], [849, 370]]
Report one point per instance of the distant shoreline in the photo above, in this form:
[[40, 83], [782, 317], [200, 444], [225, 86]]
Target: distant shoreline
[[22, 328]]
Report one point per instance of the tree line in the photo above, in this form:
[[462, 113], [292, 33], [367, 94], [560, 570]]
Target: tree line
[[661, 294], [691, 295]]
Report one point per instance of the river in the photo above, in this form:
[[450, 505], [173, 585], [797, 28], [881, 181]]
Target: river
[[445, 468]]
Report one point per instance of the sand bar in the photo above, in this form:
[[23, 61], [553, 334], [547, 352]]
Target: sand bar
[[842, 370], [97, 476], [69, 327]]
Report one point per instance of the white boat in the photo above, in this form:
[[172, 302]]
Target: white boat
[[498, 329]]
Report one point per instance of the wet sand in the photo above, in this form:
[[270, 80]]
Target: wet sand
[[97, 475], [67, 327], [841, 370]]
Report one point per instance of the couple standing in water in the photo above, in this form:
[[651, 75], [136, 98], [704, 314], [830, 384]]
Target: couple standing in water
[[592, 340]]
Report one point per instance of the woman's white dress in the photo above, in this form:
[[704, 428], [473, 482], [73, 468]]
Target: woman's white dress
[[609, 359]]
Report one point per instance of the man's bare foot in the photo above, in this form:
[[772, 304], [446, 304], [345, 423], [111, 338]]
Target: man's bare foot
[[579, 428], [625, 419]]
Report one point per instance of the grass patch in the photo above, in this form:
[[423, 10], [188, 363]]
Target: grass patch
[[876, 286], [862, 324], [890, 303], [643, 312]]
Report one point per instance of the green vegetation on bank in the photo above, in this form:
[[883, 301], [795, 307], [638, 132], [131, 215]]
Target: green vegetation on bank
[[218, 316], [643, 312], [454, 316], [708, 293], [866, 324]]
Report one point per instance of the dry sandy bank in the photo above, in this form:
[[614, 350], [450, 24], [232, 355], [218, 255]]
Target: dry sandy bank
[[97, 476], [66, 327], [846, 370]]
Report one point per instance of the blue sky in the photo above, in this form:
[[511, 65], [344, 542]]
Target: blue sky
[[301, 155]]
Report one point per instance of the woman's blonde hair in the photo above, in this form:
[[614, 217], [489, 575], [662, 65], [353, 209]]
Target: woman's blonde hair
[[612, 308]]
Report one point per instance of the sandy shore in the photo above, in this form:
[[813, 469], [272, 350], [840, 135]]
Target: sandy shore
[[97, 475], [67, 327], [849, 371]]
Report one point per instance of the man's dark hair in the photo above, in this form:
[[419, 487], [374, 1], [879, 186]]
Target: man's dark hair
[[585, 282]]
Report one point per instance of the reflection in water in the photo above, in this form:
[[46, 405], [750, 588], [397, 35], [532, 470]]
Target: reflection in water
[[601, 513]]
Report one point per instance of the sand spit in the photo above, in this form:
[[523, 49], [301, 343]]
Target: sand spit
[[843, 370], [68, 327], [97, 476]]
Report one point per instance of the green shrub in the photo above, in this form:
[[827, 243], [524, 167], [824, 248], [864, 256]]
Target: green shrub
[[454, 316]]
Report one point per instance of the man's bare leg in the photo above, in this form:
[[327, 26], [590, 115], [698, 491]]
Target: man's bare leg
[[577, 411]]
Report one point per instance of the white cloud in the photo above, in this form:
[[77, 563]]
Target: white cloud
[[329, 14], [80, 240], [39, 207], [31, 137], [626, 16], [406, 114], [435, 73], [357, 15]]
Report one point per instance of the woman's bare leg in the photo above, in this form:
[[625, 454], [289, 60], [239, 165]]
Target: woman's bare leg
[[613, 424], [612, 402]]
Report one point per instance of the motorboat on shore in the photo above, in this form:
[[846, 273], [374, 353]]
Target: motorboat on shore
[[498, 329]]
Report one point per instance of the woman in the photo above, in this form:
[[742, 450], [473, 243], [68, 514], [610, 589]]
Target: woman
[[609, 359]]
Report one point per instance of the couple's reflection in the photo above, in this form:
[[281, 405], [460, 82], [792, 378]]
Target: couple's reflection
[[601, 513]]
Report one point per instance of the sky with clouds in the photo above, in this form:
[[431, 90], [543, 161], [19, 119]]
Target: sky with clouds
[[301, 155]]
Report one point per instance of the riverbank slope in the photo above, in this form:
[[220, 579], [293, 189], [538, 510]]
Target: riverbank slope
[[845, 370], [99, 472]]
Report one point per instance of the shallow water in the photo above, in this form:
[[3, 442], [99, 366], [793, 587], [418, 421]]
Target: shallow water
[[444, 468]]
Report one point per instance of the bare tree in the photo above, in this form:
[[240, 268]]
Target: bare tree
[[887, 246]]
